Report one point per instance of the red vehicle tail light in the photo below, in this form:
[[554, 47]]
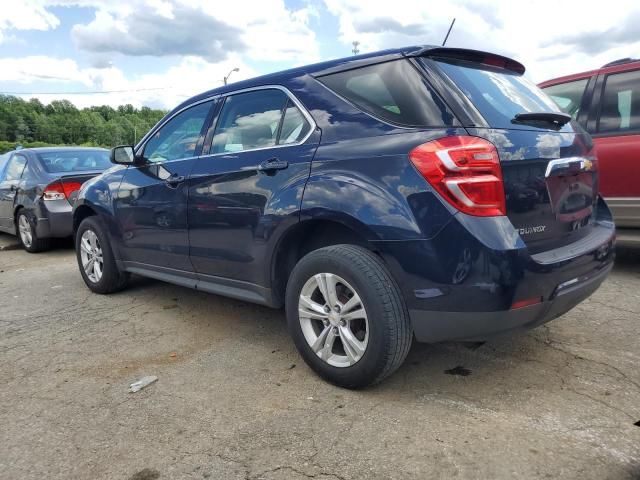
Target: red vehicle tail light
[[60, 190], [465, 171]]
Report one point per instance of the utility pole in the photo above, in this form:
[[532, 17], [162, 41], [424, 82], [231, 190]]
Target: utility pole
[[355, 49], [226, 79]]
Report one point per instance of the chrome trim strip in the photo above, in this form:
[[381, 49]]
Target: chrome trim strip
[[585, 165]]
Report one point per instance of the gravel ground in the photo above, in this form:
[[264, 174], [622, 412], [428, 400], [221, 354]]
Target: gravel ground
[[234, 400]]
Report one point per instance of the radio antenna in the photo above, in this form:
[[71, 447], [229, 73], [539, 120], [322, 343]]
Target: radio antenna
[[448, 32]]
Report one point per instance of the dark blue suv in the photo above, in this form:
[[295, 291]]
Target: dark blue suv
[[426, 191]]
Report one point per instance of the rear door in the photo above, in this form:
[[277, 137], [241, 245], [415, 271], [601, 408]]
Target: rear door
[[9, 183], [549, 169], [151, 205], [617, 138], [249, 182]]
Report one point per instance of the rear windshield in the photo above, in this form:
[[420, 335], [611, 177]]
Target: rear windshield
[[74, 161], [393, 91], [496, 93]]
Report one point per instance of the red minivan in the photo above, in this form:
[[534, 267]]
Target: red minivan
[[606, 103]]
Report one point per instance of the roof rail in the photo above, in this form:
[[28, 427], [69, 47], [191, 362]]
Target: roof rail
[[620, 62]]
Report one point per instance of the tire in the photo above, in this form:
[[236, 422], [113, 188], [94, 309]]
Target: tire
[[382, 326], [104, 277], [26, 231]]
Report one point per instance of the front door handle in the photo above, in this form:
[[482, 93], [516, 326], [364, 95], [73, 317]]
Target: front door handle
[[174, 180], [272, 164]]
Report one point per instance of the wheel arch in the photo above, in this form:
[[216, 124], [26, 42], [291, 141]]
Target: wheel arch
[[307, 236]]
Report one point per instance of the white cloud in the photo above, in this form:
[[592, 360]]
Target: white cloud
[[533, 32], [25, 16], [190, 76]]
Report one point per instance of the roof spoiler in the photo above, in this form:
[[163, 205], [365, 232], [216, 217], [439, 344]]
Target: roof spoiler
[[476, 56]]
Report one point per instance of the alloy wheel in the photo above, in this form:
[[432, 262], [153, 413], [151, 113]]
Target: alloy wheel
[[91, 256], [333, 320], [26, 235]]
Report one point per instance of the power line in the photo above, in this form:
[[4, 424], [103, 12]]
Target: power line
[[85, 92]]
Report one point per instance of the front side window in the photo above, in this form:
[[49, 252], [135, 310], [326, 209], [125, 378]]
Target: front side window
[[568, 95], [178, 138], [15, 167], [621, 103], [393, 91], [258, 119]]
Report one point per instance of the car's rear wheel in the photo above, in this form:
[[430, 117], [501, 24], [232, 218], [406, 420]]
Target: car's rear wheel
[[26, 229], [96, 260], [347, 316]]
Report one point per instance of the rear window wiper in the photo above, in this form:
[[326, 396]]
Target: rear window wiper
[[554, 118]]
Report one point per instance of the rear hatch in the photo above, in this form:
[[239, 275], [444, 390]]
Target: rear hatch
[[548, 163]]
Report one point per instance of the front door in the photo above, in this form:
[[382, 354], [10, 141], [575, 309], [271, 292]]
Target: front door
[[249, 184], [151, 208]]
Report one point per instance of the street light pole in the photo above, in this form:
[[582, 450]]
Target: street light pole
[[226, 79]]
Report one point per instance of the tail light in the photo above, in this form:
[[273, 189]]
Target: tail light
[[465, 171], [60, 190]]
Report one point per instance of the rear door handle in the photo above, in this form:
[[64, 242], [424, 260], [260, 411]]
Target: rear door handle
[[174, 180], [272, 164]]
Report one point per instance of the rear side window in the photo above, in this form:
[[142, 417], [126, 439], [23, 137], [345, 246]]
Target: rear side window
[[621, 103], [568, 96], [258, 119], [393, 91], [498, 94], [15, 167]]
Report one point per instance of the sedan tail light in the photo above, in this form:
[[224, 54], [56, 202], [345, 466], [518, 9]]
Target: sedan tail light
[[465, 171], [60, 190]]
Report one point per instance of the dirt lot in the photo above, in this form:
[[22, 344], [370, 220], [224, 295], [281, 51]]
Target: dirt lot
[[234, 400]]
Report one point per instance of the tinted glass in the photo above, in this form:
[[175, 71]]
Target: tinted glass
[[64, 161], [393, 91], [568, 96], [15, 167], [249, 120], [621, 103], [178, 138], [294, 126], [497, 94]]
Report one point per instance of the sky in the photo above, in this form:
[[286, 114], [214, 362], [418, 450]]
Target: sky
[[157, 53]]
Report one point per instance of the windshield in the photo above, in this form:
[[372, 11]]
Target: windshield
[[74, 161], [497, 94]]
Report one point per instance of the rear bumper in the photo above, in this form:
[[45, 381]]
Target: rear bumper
[[434, 327], [462, 283], [628, 237], [54, 219]]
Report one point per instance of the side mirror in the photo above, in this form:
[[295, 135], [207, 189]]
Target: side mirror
[[123, 155]]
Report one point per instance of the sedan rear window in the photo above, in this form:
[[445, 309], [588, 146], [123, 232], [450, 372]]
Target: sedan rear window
[[499, 95], [393, 91], [71, 161]]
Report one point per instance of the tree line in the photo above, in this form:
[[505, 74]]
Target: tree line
[[30, 122]]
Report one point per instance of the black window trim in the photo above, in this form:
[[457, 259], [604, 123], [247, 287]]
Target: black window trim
[[599, 96], [312, 124], [421, 72]]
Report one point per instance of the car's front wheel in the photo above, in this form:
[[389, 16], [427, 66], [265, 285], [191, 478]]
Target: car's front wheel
[[96, 260], [347, 316]]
